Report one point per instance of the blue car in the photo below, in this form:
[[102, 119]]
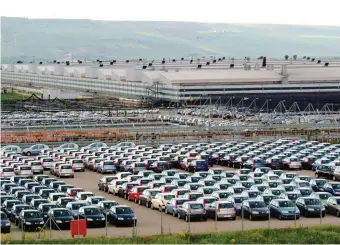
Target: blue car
[[284, 209], [333, 188], [5, 224], [122, 215], [200, 165], [175, 203], [106, 167], [34, 149]]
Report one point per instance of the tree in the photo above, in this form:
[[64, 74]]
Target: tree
[[295, 57], [286, 57]]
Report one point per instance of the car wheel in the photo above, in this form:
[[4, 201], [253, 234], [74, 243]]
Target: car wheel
[[151, 206], [147, 204], [280, 217], [234, 218], [128, 198], [28, 153], [173, 214], [186, 218], [334, 178], [205, 219], [316, 175], [179, 216], [160, 209], [338, 213], [139, 202], [306, 214], [166, 211], [250, 217]]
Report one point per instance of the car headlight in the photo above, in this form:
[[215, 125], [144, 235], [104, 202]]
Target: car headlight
[[134, 218], [89, 219], [7, 224], [267, 212], [45, 215], [285, 212], [28, 223], [255, 212], [119, 218], [42, 222], [310, 209], [58, 221], [103, 218], [323, 209]]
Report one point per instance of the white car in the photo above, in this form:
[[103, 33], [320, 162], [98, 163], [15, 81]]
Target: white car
[[10, 148], [82, 196], [115, 185], [7, 172], [25, 170], [53, 197], [161, 200]]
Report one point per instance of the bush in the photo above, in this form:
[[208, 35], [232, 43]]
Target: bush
[[292, 235]]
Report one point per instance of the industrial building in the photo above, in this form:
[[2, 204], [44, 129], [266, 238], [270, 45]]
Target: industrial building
[[187, 80]]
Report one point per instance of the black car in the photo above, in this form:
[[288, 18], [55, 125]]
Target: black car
[[8, 204], [5, 224], [43, 208], [60, 218], [93, 215], [333, 206], [253, 209], [4, 198], [318, 184], [309, 206], [30, 219], [15, 211], [104, 182], [64, 188], [63, 201], [122, 215], [7, 186], [146, 197], [324, 171]]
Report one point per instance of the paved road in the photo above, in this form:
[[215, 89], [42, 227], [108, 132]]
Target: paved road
[[149, 221]]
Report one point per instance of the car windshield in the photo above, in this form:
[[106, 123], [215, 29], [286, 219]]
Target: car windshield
[[124, 210], [286, 204], [7, 170], [108, 205], [336, 186], [253, 194], [4, 216], [305, 192], [46, 208], [196, 206], [312, 202], [225, 205], [320, 182], [210, 200], [76, 206], [239, 199], [61, 213], [168, 197], [154, 193], [324, 196], [208, 190], [293, 196], [257, 204], [180, 202], [92, 211], [32, 215]]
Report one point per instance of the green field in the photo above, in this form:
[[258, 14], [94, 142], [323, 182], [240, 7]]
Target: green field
[[13, 97], [299, 235]]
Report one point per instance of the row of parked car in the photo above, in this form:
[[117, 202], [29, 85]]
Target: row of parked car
[[33, 203], [219, 194]]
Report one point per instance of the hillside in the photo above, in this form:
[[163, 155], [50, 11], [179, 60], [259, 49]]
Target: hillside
[[48, 39]]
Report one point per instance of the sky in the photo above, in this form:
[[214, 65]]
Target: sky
[[301, 12]]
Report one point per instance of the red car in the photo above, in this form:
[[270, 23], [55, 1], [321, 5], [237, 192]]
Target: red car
[[168, 188], [72, 192], [136, 192]]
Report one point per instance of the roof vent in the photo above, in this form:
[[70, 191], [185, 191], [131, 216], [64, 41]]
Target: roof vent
[[144, 67], [327, 63], [199, 66], [208, 63], [232, 65]]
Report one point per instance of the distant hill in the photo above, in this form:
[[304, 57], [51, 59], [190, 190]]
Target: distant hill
[[49, 39]]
